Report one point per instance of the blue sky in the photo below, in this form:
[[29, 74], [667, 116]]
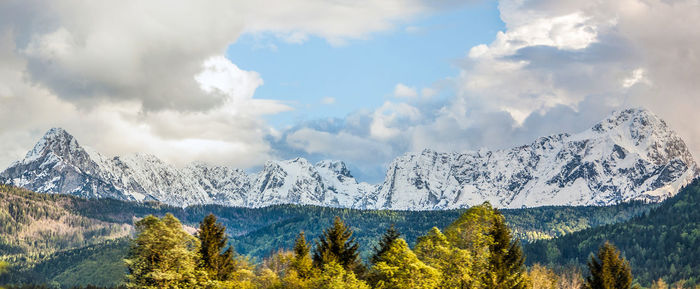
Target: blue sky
[[362, 73]]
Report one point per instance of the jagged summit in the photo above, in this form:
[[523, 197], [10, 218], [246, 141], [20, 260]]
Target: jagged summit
[[631, 155], [58, 164], [55, 140]]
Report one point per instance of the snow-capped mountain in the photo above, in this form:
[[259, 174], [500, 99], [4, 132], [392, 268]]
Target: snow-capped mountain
[[58, 164], [632, 155]]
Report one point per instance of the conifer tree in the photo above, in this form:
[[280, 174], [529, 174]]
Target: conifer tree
[[219, 263], [302, 260], [609, 270], [337, 245], [506, 269], [385, 243]]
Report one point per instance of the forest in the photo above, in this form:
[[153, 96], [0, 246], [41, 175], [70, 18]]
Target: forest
[[557, 241], [663, 243], [477, 250]]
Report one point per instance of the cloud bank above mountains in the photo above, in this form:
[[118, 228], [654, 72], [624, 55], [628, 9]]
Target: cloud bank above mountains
[[149, 76]]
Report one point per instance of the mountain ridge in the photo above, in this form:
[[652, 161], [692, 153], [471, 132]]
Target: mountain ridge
[[631, 155]]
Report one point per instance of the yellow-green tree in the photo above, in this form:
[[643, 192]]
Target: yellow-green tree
[[3, 269], [453, 263], [659, 284], [399, 268], [542, 277], [471, 232], [334, 276], [302, 262], [163, 255]]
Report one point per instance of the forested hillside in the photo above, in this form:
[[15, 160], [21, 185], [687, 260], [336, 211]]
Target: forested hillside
[[33, 226], [661, 244], [65, 235]]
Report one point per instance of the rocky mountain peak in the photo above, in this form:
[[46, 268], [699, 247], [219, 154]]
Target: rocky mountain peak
[[631, 155], [55, 140], [337, 167], [638, 119]]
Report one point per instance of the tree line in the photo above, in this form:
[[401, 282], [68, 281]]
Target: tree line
[[475, 251]]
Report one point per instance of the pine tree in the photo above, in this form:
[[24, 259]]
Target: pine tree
[[388, 239], [219, 263], [302, 260], [609, 270], [506, 269], [337, 245]]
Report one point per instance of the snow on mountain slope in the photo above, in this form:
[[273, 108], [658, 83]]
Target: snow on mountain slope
[[58, 164], [632, 155]]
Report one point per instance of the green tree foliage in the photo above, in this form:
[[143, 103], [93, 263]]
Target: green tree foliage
[[400, 268], [163, 255], [471, 232], [218, 263], [608, 270], [302, 263], [337, 245], [388, 239], [454, 264], [660, 244], [506, 269], [334, 276], [66, 259]]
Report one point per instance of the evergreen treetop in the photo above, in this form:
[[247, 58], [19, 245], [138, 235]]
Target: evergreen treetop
[[336, 244], [608, 270], [219, 263], [388, 239]]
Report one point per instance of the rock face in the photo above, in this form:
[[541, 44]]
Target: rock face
[[632, 155], [58, 164]]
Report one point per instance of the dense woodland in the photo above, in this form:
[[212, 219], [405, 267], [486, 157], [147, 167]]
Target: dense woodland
[[262, 239], [475, 251], [664, 243]]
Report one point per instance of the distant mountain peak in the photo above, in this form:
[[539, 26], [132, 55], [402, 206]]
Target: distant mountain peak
[[630, 155], [56, 140], [638, 118]]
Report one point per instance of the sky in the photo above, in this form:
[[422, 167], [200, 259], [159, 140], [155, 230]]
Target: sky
[[238, 83]]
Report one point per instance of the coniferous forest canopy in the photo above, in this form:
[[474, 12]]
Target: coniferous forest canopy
[[343, 247]]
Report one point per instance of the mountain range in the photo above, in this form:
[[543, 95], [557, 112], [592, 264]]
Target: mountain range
[[631, 155]]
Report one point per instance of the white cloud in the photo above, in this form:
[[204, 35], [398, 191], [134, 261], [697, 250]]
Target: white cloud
[[341, 145], [390, 118], [404, 91], [559, 66], [144, 76], [219, 75], [637, 76]]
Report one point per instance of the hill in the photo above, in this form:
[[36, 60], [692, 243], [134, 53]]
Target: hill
[[660, 244], [78, 241]]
